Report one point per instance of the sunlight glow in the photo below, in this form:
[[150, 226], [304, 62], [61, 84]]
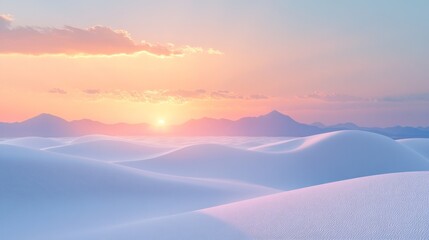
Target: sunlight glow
[[161, 122]]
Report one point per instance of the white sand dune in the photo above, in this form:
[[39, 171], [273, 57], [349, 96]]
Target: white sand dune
[[420, 145], [51, 195], [390, 206], [239, 142], [318, 159], [109, 150], [283, 146], [36, 142], [214, 188], [94, 137], [378, 207]]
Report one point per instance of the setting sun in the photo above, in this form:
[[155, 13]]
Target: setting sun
[[161, 122]]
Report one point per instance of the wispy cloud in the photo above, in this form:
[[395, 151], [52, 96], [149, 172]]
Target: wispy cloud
[[344, 98], [57, 91], [257, 96], [333, 97], [420, 97], [214, 51], [91, 91], [168, 95], [224, 94], [97, 40], [5, 21]]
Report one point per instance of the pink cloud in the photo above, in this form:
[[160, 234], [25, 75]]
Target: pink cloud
[[224, 94], [160, 95], [333, 97], [91, 91], [257, 96], [57, 91], [5, 21], [97, 40]]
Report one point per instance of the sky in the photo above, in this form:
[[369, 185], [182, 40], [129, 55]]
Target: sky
[[327, 61]]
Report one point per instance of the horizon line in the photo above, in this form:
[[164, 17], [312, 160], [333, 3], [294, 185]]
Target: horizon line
[[314, 123]]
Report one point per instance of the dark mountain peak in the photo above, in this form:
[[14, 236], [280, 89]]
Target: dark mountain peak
[[45, 117], [274, 113], [207, 120], [318, 124], [85, 120], [347, 125], [277, 115]]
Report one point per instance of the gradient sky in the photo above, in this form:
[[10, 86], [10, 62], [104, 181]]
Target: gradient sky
[[138, 61]]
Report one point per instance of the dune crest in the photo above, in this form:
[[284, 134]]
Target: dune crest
[[318, 159]]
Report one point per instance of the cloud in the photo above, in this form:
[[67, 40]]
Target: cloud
[[214, 51], [419, 97], [97, 40], [57, 91], [91, 91], [185, 94], [167, 95], [344, 98], [5, 21], [223, 94], [333, 97], [257, 96]]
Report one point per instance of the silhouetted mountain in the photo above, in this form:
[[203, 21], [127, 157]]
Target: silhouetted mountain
[[43, 125], [45, 118], [203, 126], [86, 126], [401, 132], [318, 124], [47, 125], [345, 126], [271, 124]]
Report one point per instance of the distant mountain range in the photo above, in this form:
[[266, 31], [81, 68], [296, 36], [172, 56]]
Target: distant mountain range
[[47, 125], [273, 124]]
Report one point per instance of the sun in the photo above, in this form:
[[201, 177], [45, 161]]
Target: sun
[[161, 122]]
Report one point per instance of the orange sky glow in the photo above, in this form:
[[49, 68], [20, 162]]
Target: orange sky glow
[[147, 67]]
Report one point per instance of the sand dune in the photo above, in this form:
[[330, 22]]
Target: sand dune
[[109, 150], [391, 206], [36, 142], [385, 206], [420, 145], [50, 195], [315, 160], [214, 188], [93, 137], [280, 146]]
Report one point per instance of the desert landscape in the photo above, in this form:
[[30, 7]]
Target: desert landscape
[[214, 120], [343, 184]]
